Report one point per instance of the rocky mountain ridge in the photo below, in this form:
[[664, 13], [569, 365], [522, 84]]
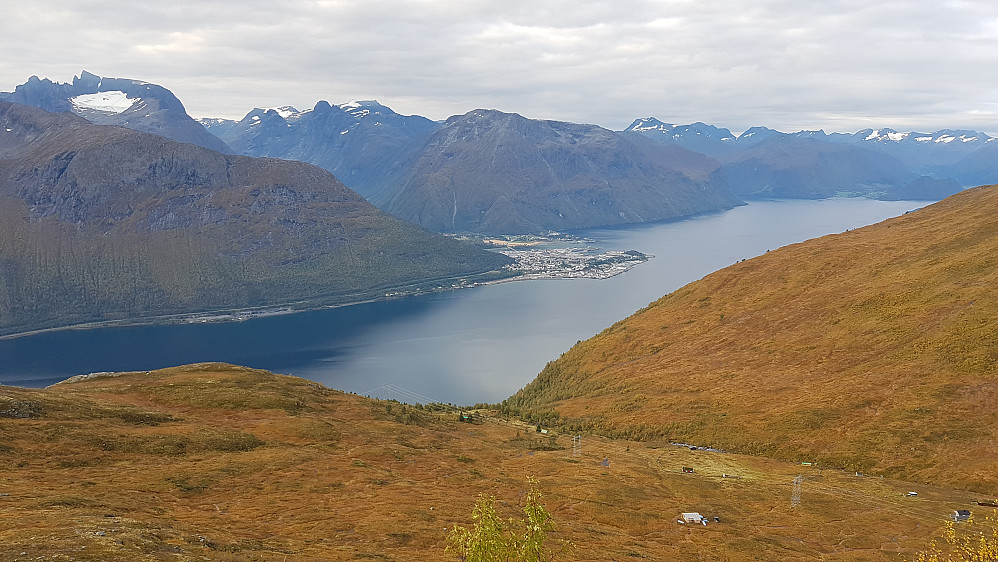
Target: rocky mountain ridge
[[135, 104], [365, 144]]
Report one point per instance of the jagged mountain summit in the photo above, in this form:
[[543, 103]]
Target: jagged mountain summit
[[494, 172], [698, 137], [883, 164], [364, 143], [138, 105], [923, 151], [104, 223]]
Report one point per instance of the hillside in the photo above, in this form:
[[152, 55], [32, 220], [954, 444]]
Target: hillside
[[874, 350], [101, 223], [500, 173], [217, 462]]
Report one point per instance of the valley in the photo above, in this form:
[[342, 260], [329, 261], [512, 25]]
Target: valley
[[817, 381]]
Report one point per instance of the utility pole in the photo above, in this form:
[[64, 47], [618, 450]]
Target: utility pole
[[795, 498]]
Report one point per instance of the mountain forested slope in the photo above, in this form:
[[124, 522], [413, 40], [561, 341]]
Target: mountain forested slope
[[105, 223]]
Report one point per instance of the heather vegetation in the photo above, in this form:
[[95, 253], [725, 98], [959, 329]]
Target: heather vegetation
[[219, 462], [873, 350]]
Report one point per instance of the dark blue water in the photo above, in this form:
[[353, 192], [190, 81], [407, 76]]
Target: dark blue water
[[468, 346]]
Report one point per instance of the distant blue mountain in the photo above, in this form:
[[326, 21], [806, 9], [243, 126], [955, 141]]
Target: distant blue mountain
[[885, 164], [364, 144]]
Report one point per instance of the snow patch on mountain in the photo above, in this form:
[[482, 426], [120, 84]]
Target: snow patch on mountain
[[285, 111], [109, 102]]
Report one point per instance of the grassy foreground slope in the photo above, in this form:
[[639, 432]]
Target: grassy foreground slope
[[873, 350], [217, 462]]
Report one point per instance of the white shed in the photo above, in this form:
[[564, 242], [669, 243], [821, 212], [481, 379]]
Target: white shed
[[692, 518]]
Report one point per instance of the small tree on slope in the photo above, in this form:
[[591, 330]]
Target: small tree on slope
[[971, 541], [490, 541]]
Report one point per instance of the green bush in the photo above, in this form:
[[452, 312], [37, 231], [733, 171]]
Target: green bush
[[490, 540]]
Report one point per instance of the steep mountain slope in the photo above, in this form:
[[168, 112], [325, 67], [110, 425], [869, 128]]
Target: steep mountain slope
[[104, 223], [117, 101], [364, 143], [493, 172], [874, 350], [979, 167]]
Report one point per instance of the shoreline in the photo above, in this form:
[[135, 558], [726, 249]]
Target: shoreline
[[621, 262]]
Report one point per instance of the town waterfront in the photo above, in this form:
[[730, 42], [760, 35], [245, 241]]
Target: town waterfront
[[466, 346]]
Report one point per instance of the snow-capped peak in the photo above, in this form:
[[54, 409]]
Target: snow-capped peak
[[357, 104], [109, 102], [650, 124], [284, 111], [886, 135]]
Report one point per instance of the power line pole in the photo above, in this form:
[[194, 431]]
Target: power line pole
[[795, 498]]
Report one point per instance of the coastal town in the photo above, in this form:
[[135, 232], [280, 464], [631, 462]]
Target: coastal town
[[572, 263], [563, 256]]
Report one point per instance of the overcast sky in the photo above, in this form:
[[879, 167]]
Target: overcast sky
[[841, 65]]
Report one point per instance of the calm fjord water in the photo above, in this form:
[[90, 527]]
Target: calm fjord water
[[467, 346]]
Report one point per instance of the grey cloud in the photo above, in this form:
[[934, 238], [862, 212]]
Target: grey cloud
[[838, 65]]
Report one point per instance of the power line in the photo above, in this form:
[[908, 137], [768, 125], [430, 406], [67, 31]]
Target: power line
[[398, 391]]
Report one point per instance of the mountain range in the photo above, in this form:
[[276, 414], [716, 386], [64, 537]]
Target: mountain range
[[103, 223], [500, 173], [485, 171], [883, 164], [448, 175]]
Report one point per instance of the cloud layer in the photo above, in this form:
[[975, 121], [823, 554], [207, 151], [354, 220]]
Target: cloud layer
[[840, 65]]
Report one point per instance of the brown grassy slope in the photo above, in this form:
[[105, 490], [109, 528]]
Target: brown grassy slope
[[874, 349], [216, 462]]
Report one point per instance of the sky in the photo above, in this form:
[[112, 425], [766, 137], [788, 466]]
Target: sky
[[837, 65]]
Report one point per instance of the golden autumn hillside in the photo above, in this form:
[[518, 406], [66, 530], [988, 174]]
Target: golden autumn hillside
[[873, 350], [218, 462]]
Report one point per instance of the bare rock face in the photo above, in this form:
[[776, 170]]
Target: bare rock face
[[105, 223], [493, 172], [138, 105]]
